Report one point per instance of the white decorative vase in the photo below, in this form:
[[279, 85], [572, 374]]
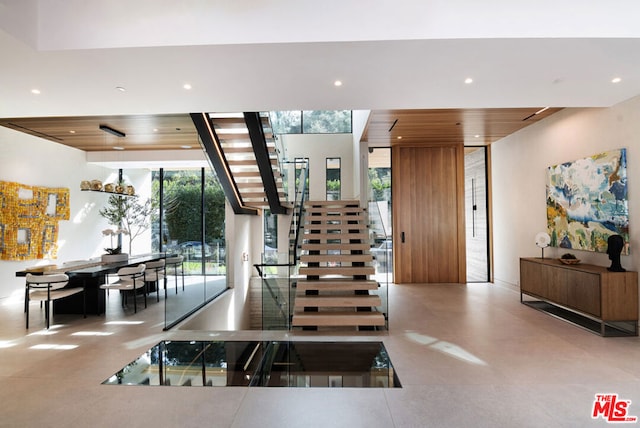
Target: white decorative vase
[[112, 258]]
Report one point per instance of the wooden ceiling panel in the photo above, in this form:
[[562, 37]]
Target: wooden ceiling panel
[[469, 126], [173, 131], [142, 132]]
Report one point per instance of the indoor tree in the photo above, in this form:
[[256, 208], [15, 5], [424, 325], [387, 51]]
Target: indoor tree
[[129, 215]]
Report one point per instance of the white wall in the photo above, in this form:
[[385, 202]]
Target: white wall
[[33, 161], [318, 147], [519, 164]]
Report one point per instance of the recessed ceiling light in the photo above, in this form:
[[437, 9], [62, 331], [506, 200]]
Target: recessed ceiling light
[[155, 129], [72, 132], [121, 89], [185, 147], [616, 80], [468, 80], [399, 137], [187, 86], [118, 148], [477, 136], [337, 83], [35, 91]]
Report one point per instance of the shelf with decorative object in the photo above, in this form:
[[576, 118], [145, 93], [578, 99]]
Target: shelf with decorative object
[[589, 296], [111, 188], [110, 193]]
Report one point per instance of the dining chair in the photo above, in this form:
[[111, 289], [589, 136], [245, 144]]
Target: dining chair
[[175, 263], [154, 273], [46, 289], [130, 279]]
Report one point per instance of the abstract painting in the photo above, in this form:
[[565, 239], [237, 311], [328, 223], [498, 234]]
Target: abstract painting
[[29, 217], [587, 201]]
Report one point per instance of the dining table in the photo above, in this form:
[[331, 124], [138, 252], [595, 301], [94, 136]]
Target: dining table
[[89, 275]]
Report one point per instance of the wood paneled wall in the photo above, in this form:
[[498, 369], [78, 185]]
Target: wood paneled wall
[[428, 208]]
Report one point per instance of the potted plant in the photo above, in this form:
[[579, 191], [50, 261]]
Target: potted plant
[[114, 254], [129, 216]]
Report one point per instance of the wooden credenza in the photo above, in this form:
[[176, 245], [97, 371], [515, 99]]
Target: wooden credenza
[[607, 300]]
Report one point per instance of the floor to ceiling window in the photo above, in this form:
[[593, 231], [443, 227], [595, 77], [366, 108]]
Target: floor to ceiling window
[[380, 208], [190, 222], [476, 218], [333, 179]]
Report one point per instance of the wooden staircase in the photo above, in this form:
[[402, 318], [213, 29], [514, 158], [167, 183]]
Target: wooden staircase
[[239, 153], [337, 264]]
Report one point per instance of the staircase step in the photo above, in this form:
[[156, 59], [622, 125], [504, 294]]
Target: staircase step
[[336, 236], [334, 217], [335, 319], [340, 203], [238, 149], [340, 258], [346, 247], [247, 162], [351, 301], [247, 174], [331, 284], [337, 270], [340, 210], [341, 227], [250, 185]]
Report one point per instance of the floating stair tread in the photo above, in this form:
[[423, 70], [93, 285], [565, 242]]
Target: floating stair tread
[[241, 162], [343, 235], [347, 247], [329, 226], [235, 121], [341, 258], [341, 210], [234, 149], [254, 195], [250, 185], [334, 217], [337, 270], [351, 301], [245, 174], [336, 284], [335, 319], [341, 203], [232, 139]]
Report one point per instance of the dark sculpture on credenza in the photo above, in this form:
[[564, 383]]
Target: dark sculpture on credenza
[[615, 245]]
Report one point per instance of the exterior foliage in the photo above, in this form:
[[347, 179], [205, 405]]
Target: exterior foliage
[[183, 205]]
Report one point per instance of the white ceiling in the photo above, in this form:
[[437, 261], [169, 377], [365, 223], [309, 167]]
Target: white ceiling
[[286, 54]]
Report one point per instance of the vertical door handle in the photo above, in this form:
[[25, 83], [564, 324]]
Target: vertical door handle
[[402, 237]]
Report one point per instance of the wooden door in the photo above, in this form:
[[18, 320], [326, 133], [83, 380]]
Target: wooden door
[[428, 214]]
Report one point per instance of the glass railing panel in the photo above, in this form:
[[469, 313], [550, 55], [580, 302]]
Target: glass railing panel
[[274, 274], [278, 270], [382, 252]]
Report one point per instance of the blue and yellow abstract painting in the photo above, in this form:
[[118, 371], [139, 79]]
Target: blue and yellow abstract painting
[[587, 201]]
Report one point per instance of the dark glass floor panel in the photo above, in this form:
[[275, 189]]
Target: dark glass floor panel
[[264, 364]]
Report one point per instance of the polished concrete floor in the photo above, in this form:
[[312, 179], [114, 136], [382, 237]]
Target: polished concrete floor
[[467, 356]]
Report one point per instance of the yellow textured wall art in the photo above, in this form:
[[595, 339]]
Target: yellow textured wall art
[[29, 217]]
